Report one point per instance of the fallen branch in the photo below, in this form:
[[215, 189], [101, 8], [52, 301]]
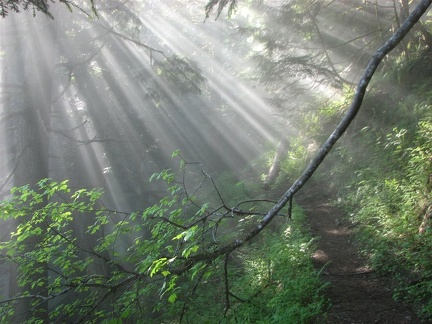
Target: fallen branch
[[340, 129]]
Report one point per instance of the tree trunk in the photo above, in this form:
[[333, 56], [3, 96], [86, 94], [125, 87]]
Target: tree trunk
[[36, 60], [427, 36], [275, 166]]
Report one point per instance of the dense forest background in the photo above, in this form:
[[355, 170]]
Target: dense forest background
[[144, 145]]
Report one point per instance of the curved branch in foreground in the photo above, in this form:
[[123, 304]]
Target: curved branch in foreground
[[340, 129]]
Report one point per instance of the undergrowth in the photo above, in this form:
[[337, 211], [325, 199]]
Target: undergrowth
[[272, 279], [381, 174], [383, 169], [138, 267], [279, 283]]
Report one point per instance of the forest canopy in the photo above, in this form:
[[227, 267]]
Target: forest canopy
[[43, 6]]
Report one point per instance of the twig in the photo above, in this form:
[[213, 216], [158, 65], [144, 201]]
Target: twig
[[227, 301]]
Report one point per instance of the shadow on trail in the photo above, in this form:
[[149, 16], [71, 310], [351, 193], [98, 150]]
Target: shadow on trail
[[357, 294]]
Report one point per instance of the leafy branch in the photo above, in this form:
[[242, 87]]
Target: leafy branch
[[182, 236], [340, 129]]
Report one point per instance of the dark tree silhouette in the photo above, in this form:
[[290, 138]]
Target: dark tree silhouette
[[7, 6]]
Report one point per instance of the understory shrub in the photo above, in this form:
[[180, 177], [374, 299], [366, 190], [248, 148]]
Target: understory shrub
[[79, 261], [391, 202], [279, 283]]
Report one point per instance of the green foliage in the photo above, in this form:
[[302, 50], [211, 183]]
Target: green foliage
[[41, 6], [414, 72], [382, 170], [315, 125], [279, 283], [96, 267], [233, 189], [270, 281], [221, 4], [394, 205], [390, 197], [296, 159], [101, 265], [180, 73]]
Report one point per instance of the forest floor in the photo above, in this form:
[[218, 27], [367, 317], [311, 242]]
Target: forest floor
[[356, 293]]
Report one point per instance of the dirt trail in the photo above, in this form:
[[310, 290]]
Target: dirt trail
[[356, 293]]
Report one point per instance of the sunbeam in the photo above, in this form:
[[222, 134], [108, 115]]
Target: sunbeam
[[199, 132]]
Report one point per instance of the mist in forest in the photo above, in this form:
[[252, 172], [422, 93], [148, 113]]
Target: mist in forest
[[111, 100], [105, 101]]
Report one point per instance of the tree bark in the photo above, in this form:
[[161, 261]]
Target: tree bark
[[275, 166]]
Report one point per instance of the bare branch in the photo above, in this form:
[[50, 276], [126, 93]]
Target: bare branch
[[151, 49], [340, 129], [17, 161], [191, 293], [227, 301]]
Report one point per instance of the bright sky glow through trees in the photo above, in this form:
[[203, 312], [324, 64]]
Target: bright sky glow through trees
[[104, 102]]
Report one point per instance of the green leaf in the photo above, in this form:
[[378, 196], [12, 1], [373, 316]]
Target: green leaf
[[181, 235], [157, 265], [172, 298], [175, 153], [190, 232], [186, 252], [202, 210]]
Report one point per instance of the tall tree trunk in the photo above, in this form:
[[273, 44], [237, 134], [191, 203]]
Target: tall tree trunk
[[36, 52], [275, 166], [427, 36]]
